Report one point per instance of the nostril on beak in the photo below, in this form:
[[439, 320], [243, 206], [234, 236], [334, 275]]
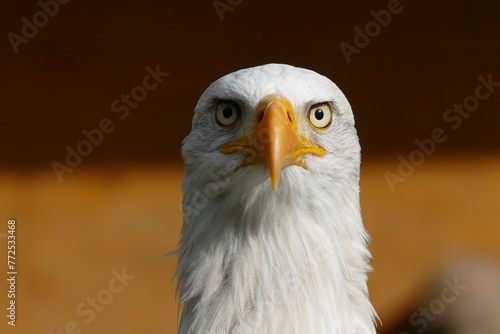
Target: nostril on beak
[[289, 117], [260, 117]]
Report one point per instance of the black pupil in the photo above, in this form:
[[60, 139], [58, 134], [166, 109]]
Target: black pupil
[[318, 114], [227, 112]]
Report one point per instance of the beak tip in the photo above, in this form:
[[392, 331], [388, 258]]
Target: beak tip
[[274, 182]]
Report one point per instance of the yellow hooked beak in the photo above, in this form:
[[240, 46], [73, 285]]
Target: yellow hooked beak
[[275, 140]]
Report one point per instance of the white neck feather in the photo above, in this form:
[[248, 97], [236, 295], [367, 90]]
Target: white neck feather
[[255, 261]]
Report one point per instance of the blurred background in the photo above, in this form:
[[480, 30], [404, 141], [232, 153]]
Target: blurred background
[[92, 127]]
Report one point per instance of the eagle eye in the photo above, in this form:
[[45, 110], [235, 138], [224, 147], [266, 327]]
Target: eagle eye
[[320, 115], [227, 113]]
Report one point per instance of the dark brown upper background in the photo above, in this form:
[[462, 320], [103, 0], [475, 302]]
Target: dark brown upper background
[[65, 78]]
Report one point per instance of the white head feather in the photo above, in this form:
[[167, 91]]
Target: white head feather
[[254, 260]]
